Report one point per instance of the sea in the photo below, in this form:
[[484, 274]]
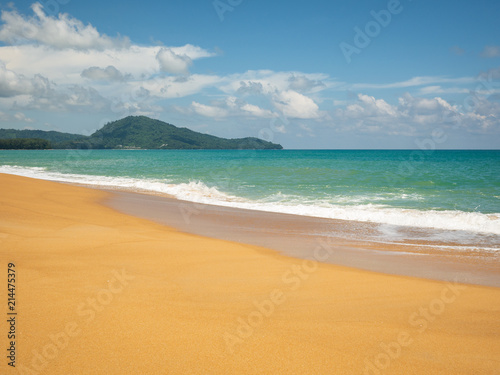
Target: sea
[[443, 195]]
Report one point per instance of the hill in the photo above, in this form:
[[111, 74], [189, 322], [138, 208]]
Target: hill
[[141, 132], [24, 144], [51, 136]]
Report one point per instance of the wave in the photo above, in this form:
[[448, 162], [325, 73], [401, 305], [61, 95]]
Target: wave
[[197, 191]]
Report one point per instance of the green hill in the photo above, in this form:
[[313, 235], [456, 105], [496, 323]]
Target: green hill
[[24, 144], [144, 133], [141, 132], [51, 136]]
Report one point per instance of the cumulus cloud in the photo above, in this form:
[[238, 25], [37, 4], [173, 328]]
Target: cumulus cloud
[[410, 110], [208, 110], [109, 73], [13, 84], [193, 52], [483, 115], [61, 47], [295, 105], [144, 107], [21, 117], [44, 95], [57, 63], [15, 117], [257, 111], [61, 32], [490, 51], [368, 106], [302, 83], [268, 82], [424, 111], [250, 88], [178, 87], [172, 62], [371, 115], [415, 115], [231, 106]]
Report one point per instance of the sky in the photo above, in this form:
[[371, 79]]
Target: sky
[[365, 74]]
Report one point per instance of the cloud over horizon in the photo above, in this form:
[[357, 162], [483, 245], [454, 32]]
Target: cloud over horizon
[[58, 64]]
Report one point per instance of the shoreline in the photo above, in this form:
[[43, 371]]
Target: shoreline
[[102, 292], [297, 236], [421, 259]]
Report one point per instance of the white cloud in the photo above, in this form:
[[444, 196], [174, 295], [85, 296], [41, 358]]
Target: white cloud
[[123, 108], [19, 116], [368, 106], [433, 90], [45, 96], [250, 88], [172, 62], [230, 106], [303, 84], [483, 115], [295, 105], [13, 84], [268, 82], [66, 66], [62, 48], [77, 67], [193, 52], [424, 111], [178, 87], [413, 82], [15, 117], [257, 111], [208, 110], [58, 63], [416, 116], [109, 73], [62, 32], [490, 51], [177, 60]]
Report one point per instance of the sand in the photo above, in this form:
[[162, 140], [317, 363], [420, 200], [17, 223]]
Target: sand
[[101, 292], [298, 236]]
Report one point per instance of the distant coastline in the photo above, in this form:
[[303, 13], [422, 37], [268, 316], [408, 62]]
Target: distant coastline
[[130, 133]]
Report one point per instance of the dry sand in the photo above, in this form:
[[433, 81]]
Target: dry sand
[[100, 292]]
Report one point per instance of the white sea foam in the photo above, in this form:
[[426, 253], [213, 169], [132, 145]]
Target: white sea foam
[[197, 191]]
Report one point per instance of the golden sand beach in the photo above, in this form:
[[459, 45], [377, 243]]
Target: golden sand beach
[[101, 292]]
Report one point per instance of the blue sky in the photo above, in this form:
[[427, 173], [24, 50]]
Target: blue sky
[[316, 74]]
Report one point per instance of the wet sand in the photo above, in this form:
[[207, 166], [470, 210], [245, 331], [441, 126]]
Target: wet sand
[[102, 292], [299, 236]]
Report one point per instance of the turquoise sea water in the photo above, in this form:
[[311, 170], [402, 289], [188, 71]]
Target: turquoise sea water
[[448, 190]]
